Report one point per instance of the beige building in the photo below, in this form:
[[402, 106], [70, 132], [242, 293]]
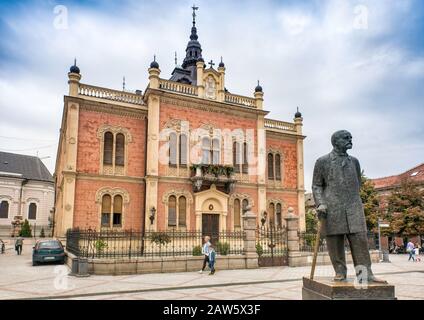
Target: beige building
[[26, 192]]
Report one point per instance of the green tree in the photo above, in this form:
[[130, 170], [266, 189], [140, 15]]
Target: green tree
[[369, 197], [311, 222], [405, 209], [42, 233], [26, 229]]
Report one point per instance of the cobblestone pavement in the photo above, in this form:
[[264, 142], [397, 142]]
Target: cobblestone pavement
[[19, 279]]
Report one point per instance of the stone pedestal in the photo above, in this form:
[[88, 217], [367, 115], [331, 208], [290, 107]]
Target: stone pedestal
[[249, 227], [327, 289]]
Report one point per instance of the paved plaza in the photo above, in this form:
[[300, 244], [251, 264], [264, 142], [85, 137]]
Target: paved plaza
[[20, 280]]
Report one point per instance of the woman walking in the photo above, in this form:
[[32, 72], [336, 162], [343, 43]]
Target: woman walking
[[205, 252]]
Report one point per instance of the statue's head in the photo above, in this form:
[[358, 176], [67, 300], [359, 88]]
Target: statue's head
[[341, 140]]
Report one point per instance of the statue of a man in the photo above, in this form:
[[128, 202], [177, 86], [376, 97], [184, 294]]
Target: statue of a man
[[335, 186]]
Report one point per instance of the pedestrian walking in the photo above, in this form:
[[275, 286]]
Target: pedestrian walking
[[18, 245], [212, 259], [2, 246], [205, 252], [410, 249], [417, 253]]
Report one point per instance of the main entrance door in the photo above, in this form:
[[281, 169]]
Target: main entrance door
[[210, 226]]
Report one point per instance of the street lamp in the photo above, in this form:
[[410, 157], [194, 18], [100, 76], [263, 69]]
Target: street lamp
[[152, 214], [263, 219]]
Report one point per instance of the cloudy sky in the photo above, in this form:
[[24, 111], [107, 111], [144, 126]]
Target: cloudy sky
[[356, 65]]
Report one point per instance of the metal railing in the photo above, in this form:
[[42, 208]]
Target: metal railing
[[271, 245], [307, 242], [132, 244]]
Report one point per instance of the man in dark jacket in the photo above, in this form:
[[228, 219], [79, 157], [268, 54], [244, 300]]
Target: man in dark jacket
[[335, 186]]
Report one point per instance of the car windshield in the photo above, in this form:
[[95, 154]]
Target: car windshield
[[49, 244]]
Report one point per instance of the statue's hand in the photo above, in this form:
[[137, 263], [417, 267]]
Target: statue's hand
[[322, 211]]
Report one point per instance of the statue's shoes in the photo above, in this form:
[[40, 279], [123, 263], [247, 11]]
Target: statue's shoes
[[376, 280], [339, 277]]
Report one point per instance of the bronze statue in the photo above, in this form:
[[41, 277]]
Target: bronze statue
[[335, 186]]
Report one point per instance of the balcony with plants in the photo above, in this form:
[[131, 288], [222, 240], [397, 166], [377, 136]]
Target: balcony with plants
[[207, 174]]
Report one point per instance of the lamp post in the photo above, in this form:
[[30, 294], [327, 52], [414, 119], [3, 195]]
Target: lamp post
[[379, 239], [152, 215]]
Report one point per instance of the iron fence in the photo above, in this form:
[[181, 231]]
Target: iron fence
[[271, 245], [307, 242], [131, 244]]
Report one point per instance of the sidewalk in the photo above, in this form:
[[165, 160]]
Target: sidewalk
[[18, 279]]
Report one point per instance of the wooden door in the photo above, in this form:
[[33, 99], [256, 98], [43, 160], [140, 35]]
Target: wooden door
[[210, 226]]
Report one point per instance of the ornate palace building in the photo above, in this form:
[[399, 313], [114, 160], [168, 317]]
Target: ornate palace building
[[185, 154]]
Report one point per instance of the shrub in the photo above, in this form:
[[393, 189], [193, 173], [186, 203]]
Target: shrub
[[100, 245], [259, 249], [26, 229], [160, 238], [197, 251], [223, 248], [42, 234]]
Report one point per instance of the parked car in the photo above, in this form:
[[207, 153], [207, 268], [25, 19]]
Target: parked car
[[48, 251]]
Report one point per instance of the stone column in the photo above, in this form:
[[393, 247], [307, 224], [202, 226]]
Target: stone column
[[200, 87], [292, 223], [298, 122], [249, 227], [74, 79]]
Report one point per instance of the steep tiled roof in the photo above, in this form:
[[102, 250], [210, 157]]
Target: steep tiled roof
[[27, 167], [415, 174]]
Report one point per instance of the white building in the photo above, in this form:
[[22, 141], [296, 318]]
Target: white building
[[26, 190]]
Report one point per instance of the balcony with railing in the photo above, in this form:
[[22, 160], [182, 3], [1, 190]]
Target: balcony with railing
[[279, 125], [177, 87], [110, 94], [207, 174], [240, 100]]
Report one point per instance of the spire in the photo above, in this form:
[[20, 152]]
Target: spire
[[193, 49]]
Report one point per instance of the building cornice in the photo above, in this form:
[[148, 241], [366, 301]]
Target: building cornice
[[193, 102], [278, 134], [102, 177], [107, 107]]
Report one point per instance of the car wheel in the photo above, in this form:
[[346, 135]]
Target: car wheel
[[35, 263]]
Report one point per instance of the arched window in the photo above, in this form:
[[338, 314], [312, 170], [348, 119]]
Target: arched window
[[32, 211], [117, 211], [271, 214], [106, 206], [277, 167], [270, 166], [173, 149], [216, 151], [182, 211], [206, 150], [120, 150], [183, 150], [278, 214], [108, 148], [172, 211], [245, 164], [236, 156], [237, 213], [4, 209]]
